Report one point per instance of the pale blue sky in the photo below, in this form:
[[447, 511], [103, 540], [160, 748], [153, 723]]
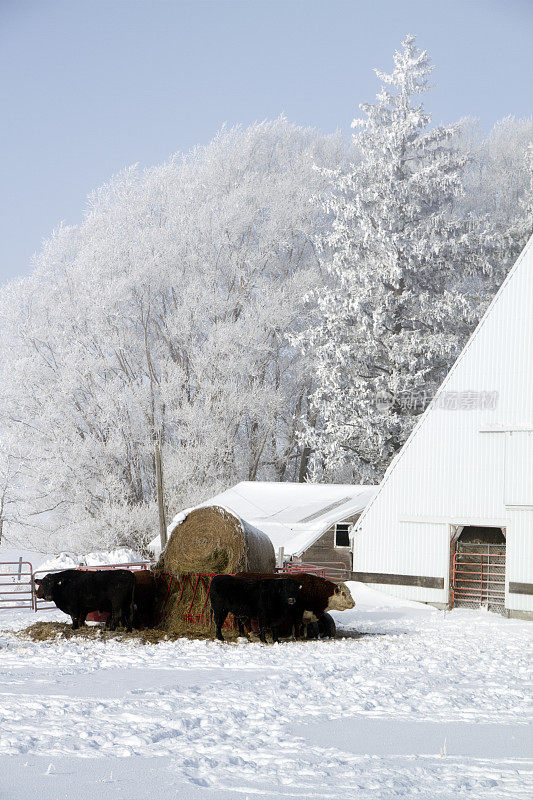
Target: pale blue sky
[[90, 86]]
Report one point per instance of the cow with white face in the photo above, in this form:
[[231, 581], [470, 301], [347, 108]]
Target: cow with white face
[[341, 599]]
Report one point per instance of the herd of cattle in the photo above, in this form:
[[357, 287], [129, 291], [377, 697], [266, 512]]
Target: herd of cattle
[[277, 604]]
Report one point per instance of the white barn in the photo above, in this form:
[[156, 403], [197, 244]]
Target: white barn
[[452, 522]]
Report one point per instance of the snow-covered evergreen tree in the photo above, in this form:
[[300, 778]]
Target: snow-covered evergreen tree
[[401, 261]]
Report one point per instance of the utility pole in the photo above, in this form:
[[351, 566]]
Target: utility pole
[[160, 491]]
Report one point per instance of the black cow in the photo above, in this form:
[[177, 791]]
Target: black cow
[[77, 592], [145, 599], [318, 596], [268, 601]]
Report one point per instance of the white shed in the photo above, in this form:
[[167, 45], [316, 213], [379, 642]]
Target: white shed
[[452, 522], [307, 522]]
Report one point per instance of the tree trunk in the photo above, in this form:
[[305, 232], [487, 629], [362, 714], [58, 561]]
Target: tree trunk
[[303, 472]]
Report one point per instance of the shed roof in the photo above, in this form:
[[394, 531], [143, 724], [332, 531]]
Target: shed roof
[[293, 515]]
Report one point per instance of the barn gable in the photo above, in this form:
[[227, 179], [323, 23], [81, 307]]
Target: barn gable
[[468, 462]]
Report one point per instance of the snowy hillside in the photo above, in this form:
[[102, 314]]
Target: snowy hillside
[[424, 703]]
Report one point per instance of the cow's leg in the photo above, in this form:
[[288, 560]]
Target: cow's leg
[[262, 628], [245, 626], [75, 619], [296, 629], [113, 618], [274, 632], [329, 627], [130, 611], [126, 612], [129, 618], [220, 618], [311, 630]]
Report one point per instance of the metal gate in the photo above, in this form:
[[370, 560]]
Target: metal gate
[[16, 585], [479, 576]]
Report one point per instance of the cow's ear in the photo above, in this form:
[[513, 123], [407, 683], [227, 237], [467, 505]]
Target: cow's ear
[[37, 580]]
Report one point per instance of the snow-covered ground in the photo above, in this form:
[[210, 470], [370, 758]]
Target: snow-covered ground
[[426, 704]]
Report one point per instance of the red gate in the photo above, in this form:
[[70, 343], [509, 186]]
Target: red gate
[[478, 577]]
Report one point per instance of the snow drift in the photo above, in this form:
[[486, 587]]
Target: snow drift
[[99, 558]]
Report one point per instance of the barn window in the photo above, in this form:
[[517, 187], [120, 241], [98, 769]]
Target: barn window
[[342, 534]]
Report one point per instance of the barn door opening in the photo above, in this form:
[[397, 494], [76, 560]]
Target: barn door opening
[[478, 578]]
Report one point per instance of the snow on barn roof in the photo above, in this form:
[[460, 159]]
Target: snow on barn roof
[[293, 515]]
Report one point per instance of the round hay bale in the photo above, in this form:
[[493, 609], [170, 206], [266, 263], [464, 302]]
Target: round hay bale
[[213, 540]]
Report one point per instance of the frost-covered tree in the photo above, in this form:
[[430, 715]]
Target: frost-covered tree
[[403, 264], [9, 475], [497, 194], [522, 228], [15, 503], [167, 310]]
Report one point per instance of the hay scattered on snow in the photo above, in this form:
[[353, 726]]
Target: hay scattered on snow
[[57, 631], [54, 631]]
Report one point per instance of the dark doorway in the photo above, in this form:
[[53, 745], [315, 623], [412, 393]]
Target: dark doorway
[[478, 569]]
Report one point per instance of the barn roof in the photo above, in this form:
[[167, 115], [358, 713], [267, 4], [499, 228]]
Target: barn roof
[[293, 515]]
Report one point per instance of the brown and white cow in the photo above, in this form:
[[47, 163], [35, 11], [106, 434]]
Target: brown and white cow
[[317, 596]]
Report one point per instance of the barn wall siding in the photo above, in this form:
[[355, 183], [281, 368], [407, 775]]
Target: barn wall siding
[[465, 463], [431, 596], [519, 561], [417, 549], [387, 578], [519, 468]]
